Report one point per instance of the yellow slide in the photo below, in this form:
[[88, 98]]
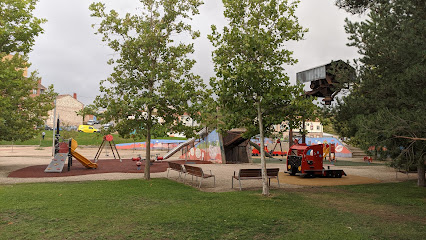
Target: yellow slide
[[326, 151], [86, 162]]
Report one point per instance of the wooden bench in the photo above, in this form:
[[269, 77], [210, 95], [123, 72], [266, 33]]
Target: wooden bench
[[198, 173], [247, 174], [177, 167]]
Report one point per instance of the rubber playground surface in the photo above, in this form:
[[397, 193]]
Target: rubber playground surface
[[104, 166]]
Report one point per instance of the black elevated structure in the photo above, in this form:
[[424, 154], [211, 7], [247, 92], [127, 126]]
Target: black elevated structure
[[327, 80]]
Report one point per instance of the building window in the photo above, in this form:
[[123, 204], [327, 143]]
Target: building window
[[318, 127], [41, 91], [34, 91]]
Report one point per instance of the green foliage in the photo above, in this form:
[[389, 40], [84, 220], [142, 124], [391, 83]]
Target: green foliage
[[387, 107], [87, 110], [18, 26], [163, 209], [152, 81], [251, 84], [20, 113], [356, 6], [249, 63]]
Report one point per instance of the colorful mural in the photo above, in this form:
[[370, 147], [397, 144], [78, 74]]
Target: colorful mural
[[156, 144], [207, 149], [341, 150]]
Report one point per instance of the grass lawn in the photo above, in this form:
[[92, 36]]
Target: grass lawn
[[164, 209], [81, 137]]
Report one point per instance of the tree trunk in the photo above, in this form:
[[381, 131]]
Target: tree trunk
[[421, 173], [147, 173], [265, 189]]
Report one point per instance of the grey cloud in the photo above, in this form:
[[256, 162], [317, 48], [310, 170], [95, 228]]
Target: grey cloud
[[72, 58]]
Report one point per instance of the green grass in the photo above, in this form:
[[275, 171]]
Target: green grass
[[163, 209], [81, 137]]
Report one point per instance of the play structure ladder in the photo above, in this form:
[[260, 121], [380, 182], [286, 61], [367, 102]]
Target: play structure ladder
[[57, 163]]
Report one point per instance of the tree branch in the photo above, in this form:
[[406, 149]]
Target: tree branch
[[411, 138]]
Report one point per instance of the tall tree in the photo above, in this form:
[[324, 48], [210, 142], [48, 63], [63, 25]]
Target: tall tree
[[152, 83], [251, 84], [19, 113], [387, 107]]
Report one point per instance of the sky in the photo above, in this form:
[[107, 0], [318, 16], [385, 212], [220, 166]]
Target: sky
[[72, 58]]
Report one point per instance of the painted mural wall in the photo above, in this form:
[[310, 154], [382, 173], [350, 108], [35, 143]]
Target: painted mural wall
[[208, 149], [156, 144], [341, 150]]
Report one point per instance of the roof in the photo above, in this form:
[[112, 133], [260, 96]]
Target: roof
[[41, 86], [68, 95]]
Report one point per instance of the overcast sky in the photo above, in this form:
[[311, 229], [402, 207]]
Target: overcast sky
[[72, 58]]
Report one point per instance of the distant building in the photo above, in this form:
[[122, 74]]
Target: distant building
[[39, 90], [66, 108], [188, 121], [315, 129]]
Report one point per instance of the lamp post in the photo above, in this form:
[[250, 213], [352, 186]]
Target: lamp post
[[53, 131]]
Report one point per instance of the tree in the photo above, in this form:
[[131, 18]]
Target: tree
[[152, 83], [386, 108], [20, 113], [357, 6], [87, 110], [251, 84]]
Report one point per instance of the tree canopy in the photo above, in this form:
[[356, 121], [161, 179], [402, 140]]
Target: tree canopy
[[19, 113], [251, 83], [152, 84], [386, 108]]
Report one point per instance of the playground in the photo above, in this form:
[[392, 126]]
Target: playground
[[25, 164]]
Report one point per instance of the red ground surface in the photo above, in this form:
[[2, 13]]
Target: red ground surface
[[104, 166]]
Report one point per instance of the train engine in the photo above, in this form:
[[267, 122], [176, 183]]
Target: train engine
[[307, 161]]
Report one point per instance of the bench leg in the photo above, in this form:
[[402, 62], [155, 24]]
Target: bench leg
[[278, 179], [214, 181], [232, 182], [240, 184]]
